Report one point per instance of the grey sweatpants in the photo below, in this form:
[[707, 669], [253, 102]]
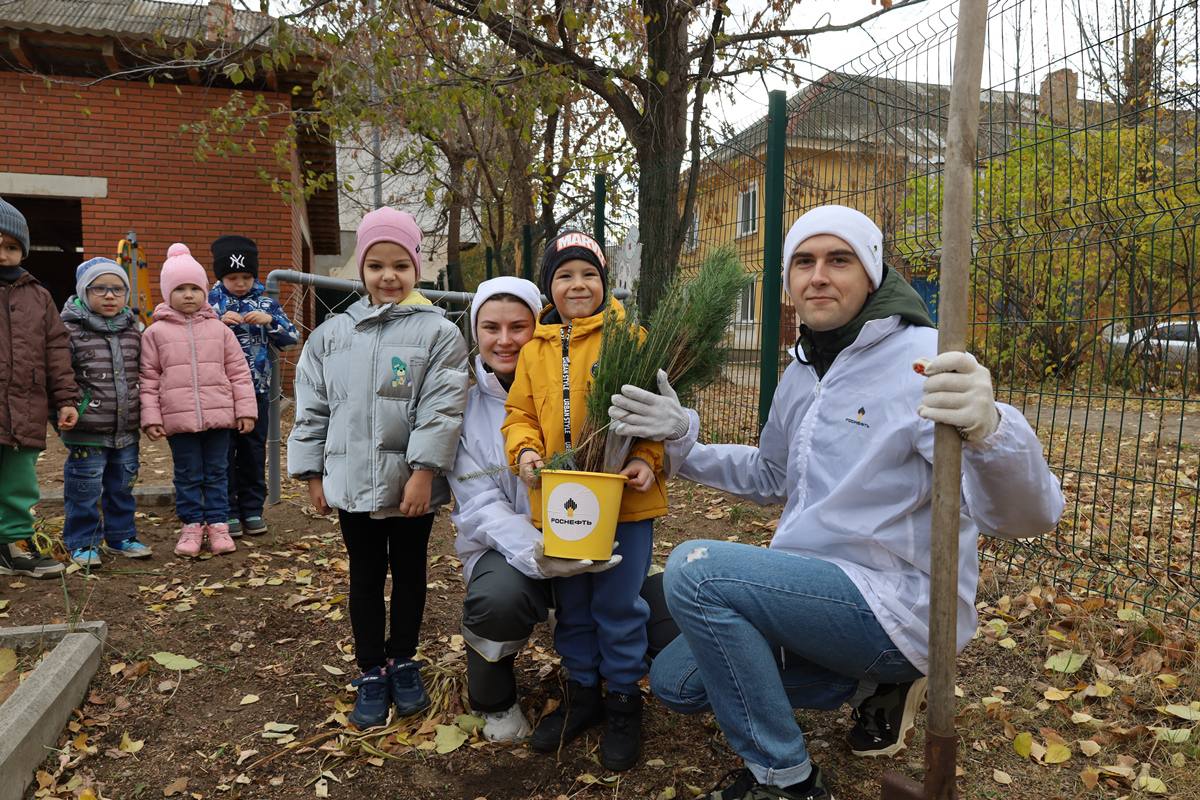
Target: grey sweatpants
[[502, 607]]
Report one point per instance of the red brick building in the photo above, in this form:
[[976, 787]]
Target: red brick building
[[88, 160]]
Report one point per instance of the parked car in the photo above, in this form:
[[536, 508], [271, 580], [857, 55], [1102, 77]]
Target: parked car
[[1175, 340]]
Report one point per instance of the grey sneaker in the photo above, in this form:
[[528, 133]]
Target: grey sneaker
[[256, 526], [742, 786], [235, 527], [884, 722], [16, 561]]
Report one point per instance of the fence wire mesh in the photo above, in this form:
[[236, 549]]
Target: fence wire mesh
[[1085, 279]]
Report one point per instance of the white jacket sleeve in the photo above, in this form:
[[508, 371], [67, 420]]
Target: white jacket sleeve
[[306, 442], [675, 451], [758, 474], [1008, 488], [484, 515]]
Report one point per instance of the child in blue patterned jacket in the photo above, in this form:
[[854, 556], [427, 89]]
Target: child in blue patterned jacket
[[259, 322]]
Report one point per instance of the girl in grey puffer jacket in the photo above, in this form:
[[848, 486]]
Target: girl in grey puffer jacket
[[380, 394]]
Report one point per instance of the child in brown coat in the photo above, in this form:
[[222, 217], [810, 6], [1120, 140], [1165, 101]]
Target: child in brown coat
[[35, 376]]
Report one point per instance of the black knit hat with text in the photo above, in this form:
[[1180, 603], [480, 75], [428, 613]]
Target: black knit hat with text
[[234, 254], [569, 245]]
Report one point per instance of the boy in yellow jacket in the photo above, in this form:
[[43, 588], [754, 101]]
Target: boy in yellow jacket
[[601, 630]]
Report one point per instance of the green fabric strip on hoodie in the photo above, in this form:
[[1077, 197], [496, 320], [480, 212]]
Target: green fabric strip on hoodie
[[894, 296]]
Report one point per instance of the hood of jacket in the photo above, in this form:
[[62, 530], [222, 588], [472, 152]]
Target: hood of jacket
[[894, 297], [164, 313], [487, 381], [77, 311], [549, 323], [257, 289], [363, 312]]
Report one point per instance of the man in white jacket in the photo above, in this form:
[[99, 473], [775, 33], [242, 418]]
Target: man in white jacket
[[509, 578], [836, 609]]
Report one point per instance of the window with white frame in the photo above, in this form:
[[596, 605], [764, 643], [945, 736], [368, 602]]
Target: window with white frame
[[747, 302], [747, 222], [691, 238]]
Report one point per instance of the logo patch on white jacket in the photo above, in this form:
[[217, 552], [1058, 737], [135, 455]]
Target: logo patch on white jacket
[[857, 419]]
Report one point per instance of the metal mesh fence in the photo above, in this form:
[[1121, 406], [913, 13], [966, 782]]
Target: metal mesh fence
[[728, 209], [1085, 281]]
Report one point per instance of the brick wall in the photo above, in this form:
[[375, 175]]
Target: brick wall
[[155, 186], [130, 134]]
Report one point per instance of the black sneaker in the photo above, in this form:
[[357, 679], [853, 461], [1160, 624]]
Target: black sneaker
[[582, 708], [408, 691], [884, 722], [622, 743], [742, 786], [15, 561], [373, 702]]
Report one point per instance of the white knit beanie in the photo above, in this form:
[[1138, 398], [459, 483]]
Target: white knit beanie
[[850, 225], [525, 290]]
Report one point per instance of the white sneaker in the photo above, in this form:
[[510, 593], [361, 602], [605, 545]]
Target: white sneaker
[[506, 726]]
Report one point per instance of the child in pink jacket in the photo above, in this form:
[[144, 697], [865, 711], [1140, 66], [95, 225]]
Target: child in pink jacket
[[196, 388]]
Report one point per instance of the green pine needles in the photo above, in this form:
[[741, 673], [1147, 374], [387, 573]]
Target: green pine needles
[[684, 336]]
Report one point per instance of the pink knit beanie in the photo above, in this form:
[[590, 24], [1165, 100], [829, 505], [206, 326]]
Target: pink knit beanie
[[388, 225], [180, 268]]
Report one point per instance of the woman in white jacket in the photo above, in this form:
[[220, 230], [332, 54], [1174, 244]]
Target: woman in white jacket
[[509, 586], [836, 609]]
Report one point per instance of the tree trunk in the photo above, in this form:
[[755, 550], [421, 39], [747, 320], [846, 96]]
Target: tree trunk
[[660, 143], [658, 225], [454, 216]]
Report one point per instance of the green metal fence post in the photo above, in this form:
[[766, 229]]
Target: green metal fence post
[[598, 216], [527, 251], [772, 295], [487, 264]]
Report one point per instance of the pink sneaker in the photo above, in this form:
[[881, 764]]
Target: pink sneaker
[[190, 540], [219, 540]]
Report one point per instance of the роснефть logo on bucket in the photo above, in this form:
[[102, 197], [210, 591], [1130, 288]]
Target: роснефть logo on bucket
[[573, 511]]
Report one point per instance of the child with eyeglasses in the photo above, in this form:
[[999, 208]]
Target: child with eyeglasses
[[102, 448]]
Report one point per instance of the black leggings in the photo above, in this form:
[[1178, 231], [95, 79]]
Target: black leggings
[[375, 544]]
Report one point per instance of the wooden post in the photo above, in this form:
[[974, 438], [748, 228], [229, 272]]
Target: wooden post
[[958, 212]]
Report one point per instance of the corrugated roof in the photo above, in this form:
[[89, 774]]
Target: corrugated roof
[[142, 19]]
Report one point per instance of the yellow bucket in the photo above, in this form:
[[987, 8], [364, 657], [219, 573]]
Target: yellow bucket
[[579, 513]]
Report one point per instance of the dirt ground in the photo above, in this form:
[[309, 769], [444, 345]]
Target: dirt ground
[[261, 715]]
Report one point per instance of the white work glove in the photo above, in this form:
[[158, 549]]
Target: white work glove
[[958, 392], [640, 414], [552, 567]]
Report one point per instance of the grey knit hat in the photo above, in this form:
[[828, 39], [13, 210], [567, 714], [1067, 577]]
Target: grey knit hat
[[87, 272], [13, 223]]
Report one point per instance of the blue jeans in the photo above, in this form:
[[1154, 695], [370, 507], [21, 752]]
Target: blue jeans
[[201, 483], [764, 632], [98, 496], [601, 616], [247, 460]]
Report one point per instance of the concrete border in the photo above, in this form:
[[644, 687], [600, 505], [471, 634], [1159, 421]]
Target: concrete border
[[39, 185], [33, 717]]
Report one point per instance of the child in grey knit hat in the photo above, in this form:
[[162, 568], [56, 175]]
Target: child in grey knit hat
[[102, 450], [35, 377]]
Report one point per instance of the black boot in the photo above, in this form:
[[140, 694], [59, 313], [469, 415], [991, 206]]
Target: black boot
[[580, 709], [622, 743]]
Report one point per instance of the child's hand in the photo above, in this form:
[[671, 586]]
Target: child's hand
[[528, 462], [316, 496], [67, 417], [641, 476], [257, 318], [245, 424], [415, 502], [155, 432], [231, 318]]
